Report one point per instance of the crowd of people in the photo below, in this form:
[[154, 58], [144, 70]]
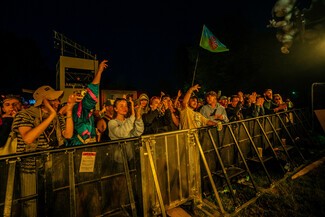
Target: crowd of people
[[49, 123]]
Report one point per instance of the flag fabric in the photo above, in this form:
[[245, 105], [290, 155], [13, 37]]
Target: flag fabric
[[210, 42]]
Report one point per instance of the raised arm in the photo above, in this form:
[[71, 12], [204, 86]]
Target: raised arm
[[188, 95], [69, 125], [29, 134], [179, 93], [102, 66]]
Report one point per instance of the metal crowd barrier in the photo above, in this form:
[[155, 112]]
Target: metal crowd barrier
[[212, 172]]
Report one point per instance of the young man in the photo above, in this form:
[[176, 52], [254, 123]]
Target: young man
[[38, 128], [159, 118], [213, 110], [10, 106], [234, 109], [189, 118], [269, 105]]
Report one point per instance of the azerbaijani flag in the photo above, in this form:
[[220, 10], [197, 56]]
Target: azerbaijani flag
[[210, 42]]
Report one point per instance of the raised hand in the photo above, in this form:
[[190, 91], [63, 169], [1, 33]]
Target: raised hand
[[252, 97], [103, 65], [165, 104], [260, 101], [196, 87], [49, 107], [179, 93], [162, 93], [241, 96], [72, 100]]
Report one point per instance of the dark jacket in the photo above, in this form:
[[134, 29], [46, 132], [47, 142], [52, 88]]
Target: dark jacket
[[155, 122], [5, 129]]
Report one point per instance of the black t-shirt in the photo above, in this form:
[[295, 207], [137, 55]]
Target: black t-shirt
[[5, 129]]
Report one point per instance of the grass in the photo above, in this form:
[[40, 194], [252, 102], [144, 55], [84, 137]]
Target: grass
[[304, 196]]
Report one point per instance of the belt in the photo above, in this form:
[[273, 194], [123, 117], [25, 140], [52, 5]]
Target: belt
[[86, 141]]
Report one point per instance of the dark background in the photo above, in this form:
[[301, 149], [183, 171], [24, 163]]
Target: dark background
[[152, 45]]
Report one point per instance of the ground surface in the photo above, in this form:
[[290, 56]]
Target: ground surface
[[304, 196]]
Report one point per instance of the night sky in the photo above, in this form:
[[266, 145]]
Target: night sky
[[152, 45]]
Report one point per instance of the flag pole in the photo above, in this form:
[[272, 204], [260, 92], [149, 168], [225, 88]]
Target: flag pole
[[197, 59]]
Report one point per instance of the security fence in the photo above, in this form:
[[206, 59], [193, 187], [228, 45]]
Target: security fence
[[206, 171]]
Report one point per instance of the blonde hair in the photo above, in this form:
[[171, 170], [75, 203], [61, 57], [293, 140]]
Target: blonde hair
[[279, 96]]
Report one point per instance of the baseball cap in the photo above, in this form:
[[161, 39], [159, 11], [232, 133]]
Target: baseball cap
[[223, 97], [109, 102], [46, 92]]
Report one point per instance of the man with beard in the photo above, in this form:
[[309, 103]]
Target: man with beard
[[269, 105], [189, 118], [213, 110]]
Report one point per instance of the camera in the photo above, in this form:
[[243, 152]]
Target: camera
[[80, 93]]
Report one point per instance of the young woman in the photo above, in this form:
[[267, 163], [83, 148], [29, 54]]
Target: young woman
[[122, 126]]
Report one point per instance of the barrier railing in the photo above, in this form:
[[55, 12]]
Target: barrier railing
[[91, 180], [229, 156], [213, 171]]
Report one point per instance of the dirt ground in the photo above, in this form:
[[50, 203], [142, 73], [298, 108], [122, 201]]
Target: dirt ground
[[301, 197]]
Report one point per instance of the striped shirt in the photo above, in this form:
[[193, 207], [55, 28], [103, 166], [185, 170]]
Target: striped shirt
[[31, 118]]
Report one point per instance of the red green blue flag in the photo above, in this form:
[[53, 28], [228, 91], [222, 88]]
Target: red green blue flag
[[210, 42]]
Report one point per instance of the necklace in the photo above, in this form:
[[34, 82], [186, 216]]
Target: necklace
[[49, 134]]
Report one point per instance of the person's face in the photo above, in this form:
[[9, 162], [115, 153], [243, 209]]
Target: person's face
[[143, 103], [234, 101], [277, 100], [80, 94], [211, 99], [55, 104], [193, 103], [223, 102], [154, 104], [178, 104], [166, 101], [11, 106], [268, 94], [109, 109], [121, 107]]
